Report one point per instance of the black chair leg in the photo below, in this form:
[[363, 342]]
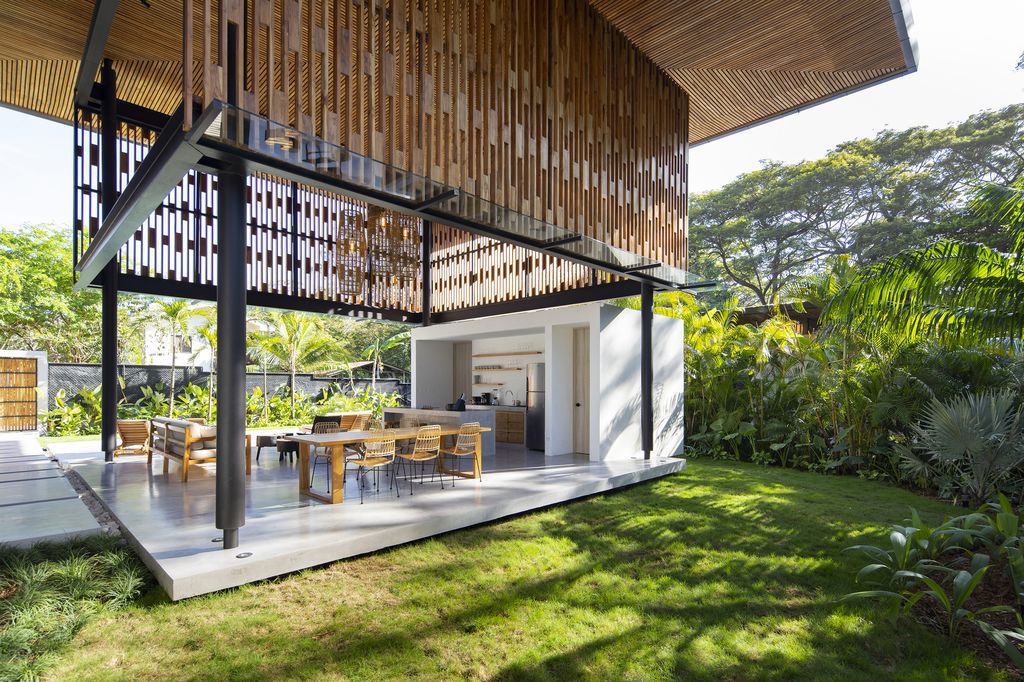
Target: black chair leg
[[258, 448]]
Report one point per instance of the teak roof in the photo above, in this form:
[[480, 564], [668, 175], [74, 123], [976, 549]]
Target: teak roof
[[741, 62]]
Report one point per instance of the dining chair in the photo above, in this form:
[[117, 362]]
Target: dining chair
[[377, 452], [465, 446], [361, 422], [426, 449], [322, 452]]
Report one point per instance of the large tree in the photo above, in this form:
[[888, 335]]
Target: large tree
[[954, 291], [39, 310], [868, 199]]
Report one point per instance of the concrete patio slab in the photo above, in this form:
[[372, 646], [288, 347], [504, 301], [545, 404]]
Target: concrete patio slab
[[37, 502], [171, 524]]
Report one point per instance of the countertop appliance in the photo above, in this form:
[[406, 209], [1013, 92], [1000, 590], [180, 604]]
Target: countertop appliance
[[535, 406]]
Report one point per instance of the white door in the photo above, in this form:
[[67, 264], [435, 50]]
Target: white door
[[581, 390]]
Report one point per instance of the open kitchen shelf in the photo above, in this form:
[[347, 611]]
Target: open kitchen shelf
[[502, 355], [497, 369], [489, 385]]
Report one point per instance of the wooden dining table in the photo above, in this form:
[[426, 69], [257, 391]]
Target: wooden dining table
[[336, 442]]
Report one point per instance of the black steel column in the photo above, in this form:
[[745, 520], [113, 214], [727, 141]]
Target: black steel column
[[425, 264], [108, 306], [647, 368], [231, 286]]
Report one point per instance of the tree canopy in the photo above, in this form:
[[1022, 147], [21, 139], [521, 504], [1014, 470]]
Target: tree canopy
[[867, 199]]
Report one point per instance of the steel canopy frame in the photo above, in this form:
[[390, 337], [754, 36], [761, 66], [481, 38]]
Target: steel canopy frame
[[177, 151]]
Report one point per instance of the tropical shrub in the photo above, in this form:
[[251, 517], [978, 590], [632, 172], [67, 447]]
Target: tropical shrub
[[971, 443], [949, 565], [80, 415]]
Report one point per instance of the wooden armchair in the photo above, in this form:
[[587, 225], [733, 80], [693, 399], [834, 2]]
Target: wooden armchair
[[135, 437]]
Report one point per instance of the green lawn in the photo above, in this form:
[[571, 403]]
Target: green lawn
[[723, 572]]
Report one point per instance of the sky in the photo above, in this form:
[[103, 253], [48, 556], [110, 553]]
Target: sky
[[967, 54]]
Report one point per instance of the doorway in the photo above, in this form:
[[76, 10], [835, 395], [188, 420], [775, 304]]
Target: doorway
[[581, 390]]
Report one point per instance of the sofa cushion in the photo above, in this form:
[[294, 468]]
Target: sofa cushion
[[202, 453]]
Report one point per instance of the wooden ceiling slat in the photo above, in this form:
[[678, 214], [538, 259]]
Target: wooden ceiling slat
[[739, 61]]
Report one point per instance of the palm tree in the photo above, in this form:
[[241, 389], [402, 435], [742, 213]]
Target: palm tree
[[376, 350], [959, 292], [176, 313], [208, 332], [295, 341]]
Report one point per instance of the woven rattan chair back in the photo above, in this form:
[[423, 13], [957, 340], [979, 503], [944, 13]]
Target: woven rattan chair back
[[465, 442], [326, 427], [380, 445], [428, 439]]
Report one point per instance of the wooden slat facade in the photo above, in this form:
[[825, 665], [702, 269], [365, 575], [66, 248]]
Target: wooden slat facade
[[541, 107]]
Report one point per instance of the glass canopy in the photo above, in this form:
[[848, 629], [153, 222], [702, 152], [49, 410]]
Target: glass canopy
[[281, 148]]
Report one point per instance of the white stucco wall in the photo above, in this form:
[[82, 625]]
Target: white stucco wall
[[619, 416], [431, 373], [669, 384]]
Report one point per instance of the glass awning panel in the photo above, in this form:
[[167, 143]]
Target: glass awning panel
[[277, 148]]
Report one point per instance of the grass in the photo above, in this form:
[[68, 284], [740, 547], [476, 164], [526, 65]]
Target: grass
[[49, 591], [722, 572]]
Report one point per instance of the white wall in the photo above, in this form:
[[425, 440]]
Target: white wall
[[431, 373], [669, 383], [619, 390], [513, 381], [558, 410]]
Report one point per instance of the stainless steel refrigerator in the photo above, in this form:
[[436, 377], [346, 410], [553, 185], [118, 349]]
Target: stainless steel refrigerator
[[535, 406]]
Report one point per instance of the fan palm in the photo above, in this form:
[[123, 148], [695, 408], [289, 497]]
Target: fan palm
[[974, 440], [958, 292]]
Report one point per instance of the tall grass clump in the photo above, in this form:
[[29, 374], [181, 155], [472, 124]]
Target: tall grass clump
[[49, 591]]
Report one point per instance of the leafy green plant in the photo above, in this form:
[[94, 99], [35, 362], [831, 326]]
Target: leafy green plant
[[973, 441], [51, 590]]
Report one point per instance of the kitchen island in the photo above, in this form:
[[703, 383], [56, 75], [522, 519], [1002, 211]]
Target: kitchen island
[[415, 416]]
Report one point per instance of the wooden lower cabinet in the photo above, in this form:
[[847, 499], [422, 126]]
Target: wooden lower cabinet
[[510, 426]]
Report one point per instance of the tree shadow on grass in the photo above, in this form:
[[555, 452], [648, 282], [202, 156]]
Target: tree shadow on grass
[[723, 572]]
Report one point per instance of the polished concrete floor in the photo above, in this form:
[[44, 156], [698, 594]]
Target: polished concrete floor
[[172, 524], [36, 502]]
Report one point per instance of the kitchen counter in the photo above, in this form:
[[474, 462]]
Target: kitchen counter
[[415, 416]]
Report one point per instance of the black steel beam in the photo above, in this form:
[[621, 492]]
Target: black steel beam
[[647, 368], [129, 112], [108, 305], [154, 286], [447, 194], [425, 279], [597, 292], [103, 12], [562, 241], [641, 268]]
